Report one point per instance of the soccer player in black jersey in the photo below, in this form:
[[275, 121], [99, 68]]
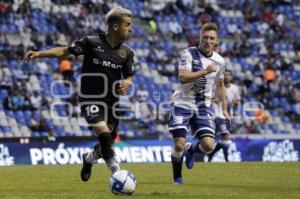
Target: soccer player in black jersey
[[106, 73]]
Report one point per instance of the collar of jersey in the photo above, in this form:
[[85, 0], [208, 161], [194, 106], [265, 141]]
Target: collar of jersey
[[103, 37], [204, 54]]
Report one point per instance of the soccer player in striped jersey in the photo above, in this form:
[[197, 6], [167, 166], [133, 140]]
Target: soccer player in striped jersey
[[200, 69], [233, 99]]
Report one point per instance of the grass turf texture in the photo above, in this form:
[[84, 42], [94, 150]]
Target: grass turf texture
[[209, 181]]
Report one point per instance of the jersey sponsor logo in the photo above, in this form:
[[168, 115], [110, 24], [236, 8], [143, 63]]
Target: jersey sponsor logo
[[122, 53], [199, 86], [107, 64], [99, 49]]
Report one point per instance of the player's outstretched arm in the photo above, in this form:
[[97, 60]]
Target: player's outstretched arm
[[188, 77], [53, 52]]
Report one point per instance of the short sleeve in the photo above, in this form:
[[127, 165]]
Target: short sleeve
[[78, 47], [128, 67], [185, 62]]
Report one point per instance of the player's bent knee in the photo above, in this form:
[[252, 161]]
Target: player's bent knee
[[179, 147], [207, 144], [207, 147], [179, 144]]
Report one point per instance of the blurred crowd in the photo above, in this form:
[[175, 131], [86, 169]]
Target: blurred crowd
[[259, 39]]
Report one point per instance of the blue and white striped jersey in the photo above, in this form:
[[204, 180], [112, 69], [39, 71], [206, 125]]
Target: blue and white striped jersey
[[198, 93]]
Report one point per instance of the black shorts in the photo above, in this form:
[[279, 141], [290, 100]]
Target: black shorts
[[100, 111]]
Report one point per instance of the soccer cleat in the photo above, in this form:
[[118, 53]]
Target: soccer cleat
[[177, 181], [189, 156], [86, 170]]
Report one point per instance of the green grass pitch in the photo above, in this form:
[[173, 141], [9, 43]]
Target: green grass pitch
[[204, 181]]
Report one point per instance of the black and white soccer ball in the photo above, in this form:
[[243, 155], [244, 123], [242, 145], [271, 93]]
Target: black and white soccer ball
[[122, 183]]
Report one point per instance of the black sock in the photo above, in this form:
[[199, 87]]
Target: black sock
[[106, 143], [225, 151], [216, 149], [177, 166]]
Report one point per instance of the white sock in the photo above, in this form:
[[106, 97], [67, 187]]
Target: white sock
[[177, 154], [91, 156], [113, 164]]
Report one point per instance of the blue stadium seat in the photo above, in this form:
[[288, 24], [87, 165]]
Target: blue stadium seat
[[43, 134], [59, 131], [35, 134]]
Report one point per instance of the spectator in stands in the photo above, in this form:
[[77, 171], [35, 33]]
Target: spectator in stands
[[65, 67], [27, 39], [163, 27], [142, 93], [35, 100], [152, 26], [168, 68], [8, 103], [16, 101], [41, 125], [147, 12], [269, 75], [175, 28], [295, 94], [74, 100], [249, 127], [105, 7], [49, 40], [145, 113], [185, 5], [257, 38], [261, 116], [5, 80], [25, 8], [170, 8]]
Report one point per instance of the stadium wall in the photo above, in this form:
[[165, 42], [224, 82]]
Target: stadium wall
[[34, 152]]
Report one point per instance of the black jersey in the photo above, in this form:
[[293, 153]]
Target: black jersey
[[102, 67]]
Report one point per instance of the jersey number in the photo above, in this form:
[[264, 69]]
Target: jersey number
[[91, 109]]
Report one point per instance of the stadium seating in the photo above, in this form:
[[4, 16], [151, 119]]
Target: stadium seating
[[26, 26]]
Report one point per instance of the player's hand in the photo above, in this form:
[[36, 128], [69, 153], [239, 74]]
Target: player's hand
[[211, 68], [227, 116], [31, 55], [124, 86]]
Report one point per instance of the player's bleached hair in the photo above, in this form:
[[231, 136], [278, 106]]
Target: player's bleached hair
[[209, 26], [115, 15]]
